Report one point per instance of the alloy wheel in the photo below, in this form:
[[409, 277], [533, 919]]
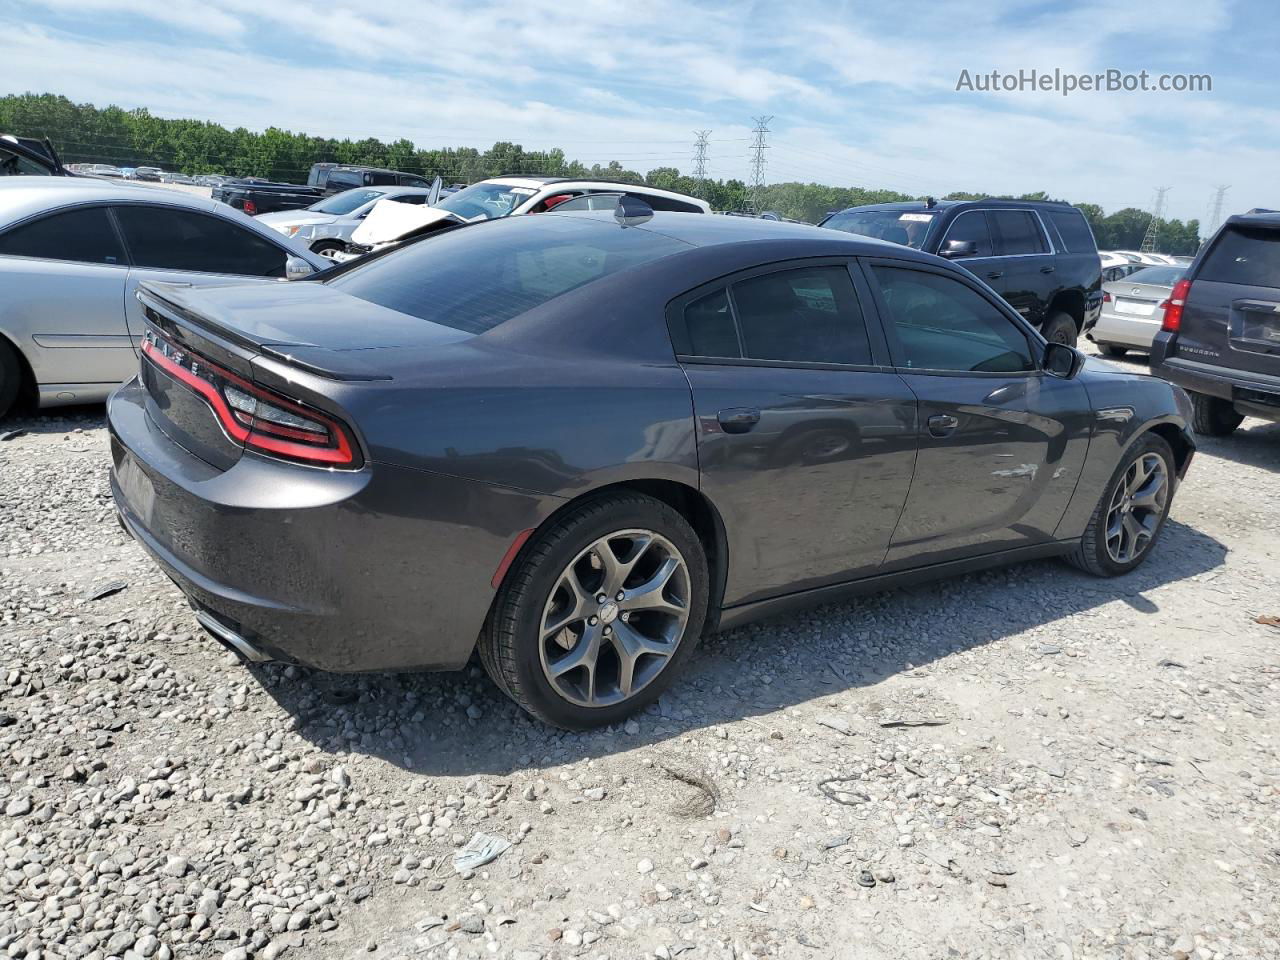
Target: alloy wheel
[[614, 618], [1137, 508]]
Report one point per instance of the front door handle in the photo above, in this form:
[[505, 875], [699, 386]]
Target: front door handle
[[1047, 269], [738, 419], [995, 274], [943, 424]]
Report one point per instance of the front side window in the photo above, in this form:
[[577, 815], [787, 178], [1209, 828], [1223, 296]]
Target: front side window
[[971, 227], [170, 239], [942, 324], [16, 165], [1017, 233], [85, 236]]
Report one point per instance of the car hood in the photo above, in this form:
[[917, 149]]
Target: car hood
[[311, 325], [390, 220]]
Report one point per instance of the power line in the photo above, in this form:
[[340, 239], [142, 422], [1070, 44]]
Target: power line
[[758, 146], [1153, 227]]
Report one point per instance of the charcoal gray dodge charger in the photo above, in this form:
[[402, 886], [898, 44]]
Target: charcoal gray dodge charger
[[580, 442]]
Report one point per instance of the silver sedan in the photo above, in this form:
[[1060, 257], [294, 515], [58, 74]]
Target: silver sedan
[[72, 253], [327, 226], [1132, 309]]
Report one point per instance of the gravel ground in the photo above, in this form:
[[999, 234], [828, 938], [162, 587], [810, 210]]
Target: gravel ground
[[1023, 763]]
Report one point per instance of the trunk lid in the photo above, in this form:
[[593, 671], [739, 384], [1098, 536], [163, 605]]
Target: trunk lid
[[1137, 300]]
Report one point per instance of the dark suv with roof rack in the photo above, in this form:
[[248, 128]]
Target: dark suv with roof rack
[[1220, 339], [1040, 256]]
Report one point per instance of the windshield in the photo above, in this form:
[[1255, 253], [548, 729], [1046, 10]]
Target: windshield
[[908, 227], [346, 201], [1160, 276], [485, 201]]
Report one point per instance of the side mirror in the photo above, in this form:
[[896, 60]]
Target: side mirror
[[295, 268], [954, 249], [1062, 361]]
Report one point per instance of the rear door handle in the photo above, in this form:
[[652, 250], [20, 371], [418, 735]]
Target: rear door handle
[[738, 419], [995, 274], [1047, 269], [943, 424]]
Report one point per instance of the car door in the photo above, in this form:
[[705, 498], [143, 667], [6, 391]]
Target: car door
[[62, 282], [1024, 263], [189, 247], [972, 226], [806, 436], [1001, 443]]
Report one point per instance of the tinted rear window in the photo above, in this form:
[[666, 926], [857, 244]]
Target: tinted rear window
[[1074, 230], [1246, 256], [476, 277]]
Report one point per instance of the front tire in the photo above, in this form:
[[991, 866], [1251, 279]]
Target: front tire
[[1214, 416], [1060, 328], [1131, 512], [327, 248], [1112, 350], [599, 612]]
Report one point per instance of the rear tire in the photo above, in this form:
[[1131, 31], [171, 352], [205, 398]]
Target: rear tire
[[1124, 514], [558, 578], [1213, 416], [1112, 350], [10, 376], [1060, 328], [326, 248]]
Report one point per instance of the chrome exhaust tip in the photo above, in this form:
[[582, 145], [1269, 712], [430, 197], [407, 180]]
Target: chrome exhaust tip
[[230, 639]]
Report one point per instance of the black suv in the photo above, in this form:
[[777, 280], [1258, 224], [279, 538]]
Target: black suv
[[1220, 339], [1041, 257]]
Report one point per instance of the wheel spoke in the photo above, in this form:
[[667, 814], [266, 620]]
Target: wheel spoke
[[584, 654], [617, 570], [582, 605], [1148, 495], [631, 645], [650, 595]]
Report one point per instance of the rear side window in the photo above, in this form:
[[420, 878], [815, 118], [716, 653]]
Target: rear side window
[[476, 277], [809, 315], [85, 236], [169, 239], [1017, 232], [1244, 255], [375, 178], [1074, 230]]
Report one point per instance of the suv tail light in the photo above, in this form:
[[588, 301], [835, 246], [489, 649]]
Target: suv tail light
[[1106, 298], [250, 208], [1173, 306], [261, 419]]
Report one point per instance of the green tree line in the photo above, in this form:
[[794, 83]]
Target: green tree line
[[84, 133]]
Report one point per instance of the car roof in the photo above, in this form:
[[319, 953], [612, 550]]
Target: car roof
[[21, 197], [1265, 220], [940, 206], [700, 230], [536, 183]]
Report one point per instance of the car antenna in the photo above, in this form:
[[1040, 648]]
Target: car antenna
[[631, 211]]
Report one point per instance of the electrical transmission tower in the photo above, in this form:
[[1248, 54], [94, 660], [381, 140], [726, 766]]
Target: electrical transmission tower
[[700, 156], [1214, 220], [758, 146], [1153, 228]]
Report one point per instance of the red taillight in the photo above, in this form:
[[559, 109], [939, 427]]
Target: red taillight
[[250, 208], [1173, 306], [260, 419], [1106, 298]]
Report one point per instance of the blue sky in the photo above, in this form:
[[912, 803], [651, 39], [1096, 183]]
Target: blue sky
[[862, 94]]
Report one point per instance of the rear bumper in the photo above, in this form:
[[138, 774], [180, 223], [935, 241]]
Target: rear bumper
[[1125, 331], [378, 569], [1253, 394]]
